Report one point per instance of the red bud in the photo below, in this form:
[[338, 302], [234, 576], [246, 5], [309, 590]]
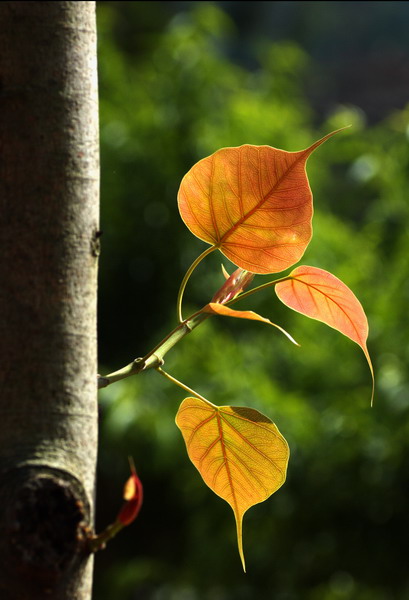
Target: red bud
[[133, 494], [233, 286]]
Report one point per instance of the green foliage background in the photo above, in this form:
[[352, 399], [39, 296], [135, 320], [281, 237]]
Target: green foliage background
[[172, 92]]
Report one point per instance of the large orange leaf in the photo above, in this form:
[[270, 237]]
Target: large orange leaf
[[322, 296], [254, 203], [239, 453], [213, 308]]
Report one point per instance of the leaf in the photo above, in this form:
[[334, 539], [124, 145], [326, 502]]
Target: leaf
[[133, 494], [320, 295], [239, 453], [220, 309], [254, 203]]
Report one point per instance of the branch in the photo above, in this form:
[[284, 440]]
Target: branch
[[155, 358]]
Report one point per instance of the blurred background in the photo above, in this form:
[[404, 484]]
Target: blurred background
[[179, 80]]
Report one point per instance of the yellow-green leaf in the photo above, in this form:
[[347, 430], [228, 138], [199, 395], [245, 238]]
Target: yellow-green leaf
[[238, 451]]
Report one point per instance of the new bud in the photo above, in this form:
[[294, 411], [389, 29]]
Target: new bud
[[133, 494], [233, 286]]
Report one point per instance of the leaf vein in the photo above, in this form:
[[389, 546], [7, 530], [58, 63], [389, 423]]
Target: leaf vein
[[265, 197]]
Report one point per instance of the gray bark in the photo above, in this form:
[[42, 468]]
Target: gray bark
[[49, 185]]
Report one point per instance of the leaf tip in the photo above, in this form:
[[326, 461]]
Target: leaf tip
[[243, 562], [371, 369], [226, 274], [314, 146], [290, 337], [239, 528]]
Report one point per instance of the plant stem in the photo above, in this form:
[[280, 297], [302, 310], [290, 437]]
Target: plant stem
[[135, 367], [186, 278], [99, 541], [183, 386], [258, 289], [154, 358]]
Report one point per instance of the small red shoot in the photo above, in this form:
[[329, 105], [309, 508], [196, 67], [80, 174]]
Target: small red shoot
[[133, 494], [233, 286]]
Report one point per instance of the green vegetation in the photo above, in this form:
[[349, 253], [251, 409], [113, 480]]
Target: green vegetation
[[338, 529]]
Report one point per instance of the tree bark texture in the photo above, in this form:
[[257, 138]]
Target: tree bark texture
[[49, 186]]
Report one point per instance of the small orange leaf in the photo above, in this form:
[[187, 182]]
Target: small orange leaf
[[239, 453], [214, 308], [254, 203], [322, 296]]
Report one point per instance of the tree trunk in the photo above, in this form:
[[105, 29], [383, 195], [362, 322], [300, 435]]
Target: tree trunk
[[49, 184]]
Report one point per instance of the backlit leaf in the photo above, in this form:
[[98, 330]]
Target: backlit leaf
[[239, 453], [214, 308], [322, 296], [254, 203]]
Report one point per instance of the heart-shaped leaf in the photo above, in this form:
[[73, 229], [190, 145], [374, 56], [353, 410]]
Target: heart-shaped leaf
[[322, 296], [239, 453], [213, 308], [254, 203]]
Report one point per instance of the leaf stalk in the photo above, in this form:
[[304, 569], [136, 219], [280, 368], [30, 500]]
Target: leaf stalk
[[186, 278], [155, 358], [183, 386]]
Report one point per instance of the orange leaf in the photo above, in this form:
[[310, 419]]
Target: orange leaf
[[239, 453], [220, 309], [254, 203], [322, 296]]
